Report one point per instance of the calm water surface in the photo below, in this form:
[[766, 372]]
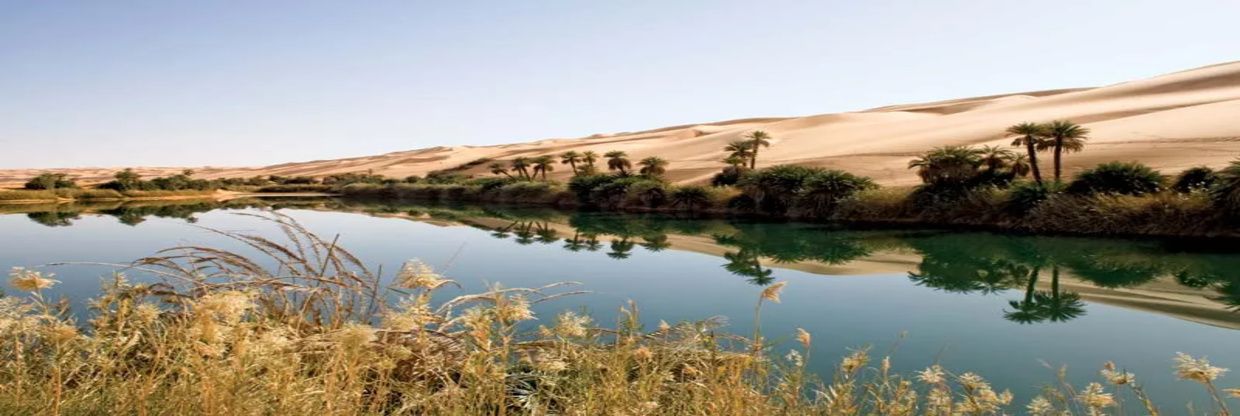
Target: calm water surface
[[1003, 306]]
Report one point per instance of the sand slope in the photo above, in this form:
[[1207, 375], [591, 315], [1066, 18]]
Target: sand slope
[[1171, 122]]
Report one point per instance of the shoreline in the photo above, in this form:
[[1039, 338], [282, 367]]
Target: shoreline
[[214, 195]]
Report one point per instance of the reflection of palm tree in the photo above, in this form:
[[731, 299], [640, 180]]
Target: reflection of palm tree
[[1027, 310], [525, 236], [546, 234], [620, 248], [502, 233], [746, 263], [1060, 306], [592, 243], [656, 242], [575, 243]]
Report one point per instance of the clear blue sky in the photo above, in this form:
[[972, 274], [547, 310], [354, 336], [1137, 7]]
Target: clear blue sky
[[226, 83]]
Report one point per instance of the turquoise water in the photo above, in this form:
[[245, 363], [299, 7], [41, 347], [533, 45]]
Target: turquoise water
[[1002, 306]]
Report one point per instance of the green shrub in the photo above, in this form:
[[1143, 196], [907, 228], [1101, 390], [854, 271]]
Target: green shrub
[[583, 185], [1200, 178], [526, 191], [48, 181], [774, 190], [728, 176], [876, 205], [297, 188], [690, 197], [822, 191], [1119, 178], [647, 193], [1025, 196], [1226, 190]]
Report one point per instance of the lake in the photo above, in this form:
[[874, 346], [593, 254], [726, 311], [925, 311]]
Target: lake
[[1005, 306]]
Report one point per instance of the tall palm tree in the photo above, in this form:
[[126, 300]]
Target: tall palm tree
[[589, 157], [621, 248], [1030, 135], [1064, 136], [757, 139], [498, 169], [653, 166], [543, 164], [571, 158], [522, 166], [618, 160]]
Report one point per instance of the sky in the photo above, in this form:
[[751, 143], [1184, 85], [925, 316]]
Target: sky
[[245, 83]]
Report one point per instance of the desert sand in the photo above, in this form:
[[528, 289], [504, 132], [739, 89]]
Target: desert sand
[[1171, 122]]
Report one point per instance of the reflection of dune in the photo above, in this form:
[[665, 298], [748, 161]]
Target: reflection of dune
[[1160, 296], [1171, 122]]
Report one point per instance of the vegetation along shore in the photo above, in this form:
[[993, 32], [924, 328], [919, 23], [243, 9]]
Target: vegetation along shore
[[1020, 188]]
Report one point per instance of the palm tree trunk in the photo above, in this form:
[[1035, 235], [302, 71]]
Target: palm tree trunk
[[1033, 160], [753, 158], [1033, 281], [573, 165], [1058, 158], [1055, 282]]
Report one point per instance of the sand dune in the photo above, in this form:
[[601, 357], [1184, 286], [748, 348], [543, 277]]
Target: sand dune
[[1170, 122]]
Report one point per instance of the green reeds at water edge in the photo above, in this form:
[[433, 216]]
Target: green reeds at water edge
[[306, 327]]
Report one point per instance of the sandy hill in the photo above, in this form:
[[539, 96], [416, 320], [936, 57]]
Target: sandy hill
[[1171, 122]]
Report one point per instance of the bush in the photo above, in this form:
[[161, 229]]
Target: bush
[[584, 185], [774, 189], [1118, 178], [729, 176], [647, 193], [822, 191], [1226, 191], [526, 191], [1025, 196], [691, 197], [49, 181], [1195, 179]]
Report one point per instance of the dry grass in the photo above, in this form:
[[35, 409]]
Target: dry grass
[[317, 333]]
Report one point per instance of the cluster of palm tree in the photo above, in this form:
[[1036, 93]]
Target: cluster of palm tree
[[744, 153], [1059, 136], [964, 165], [581, 163]]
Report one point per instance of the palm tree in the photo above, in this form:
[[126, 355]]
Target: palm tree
[[1019, 165], [1030, 135], [947, 165], [653, 166], [571, 158], [618, 160], [995, 157], [738, 150], [543, 164], [522, 166], [575, 243], [1064, 136], [589, 157], [498, 169], [757, 139], [736, 162]]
